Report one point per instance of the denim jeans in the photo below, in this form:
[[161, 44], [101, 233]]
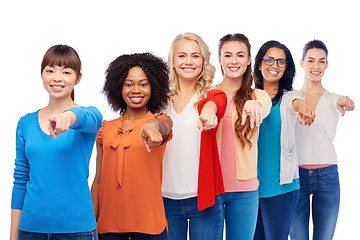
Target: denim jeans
[[275, 214], [92, 235], [133, 236], [203, 225], [323, 185], [241, 210]]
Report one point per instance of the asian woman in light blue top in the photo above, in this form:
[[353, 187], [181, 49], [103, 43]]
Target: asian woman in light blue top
[[51, 197], [277, 163]]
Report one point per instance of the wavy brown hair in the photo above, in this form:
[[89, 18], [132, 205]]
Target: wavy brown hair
[[244, 93]]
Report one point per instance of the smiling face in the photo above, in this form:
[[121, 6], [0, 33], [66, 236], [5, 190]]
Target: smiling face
[[188, 61], [59, 81], [273, 73], [136, 90], [314, 64], [234, 59]]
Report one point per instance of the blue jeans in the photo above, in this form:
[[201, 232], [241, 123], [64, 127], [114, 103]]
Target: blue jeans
[[323, 185], [275, 214], [241, 210], [203, 225], [133, 236], [92, 235]]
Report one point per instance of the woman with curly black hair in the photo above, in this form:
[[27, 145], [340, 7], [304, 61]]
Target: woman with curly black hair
[[127, 187]]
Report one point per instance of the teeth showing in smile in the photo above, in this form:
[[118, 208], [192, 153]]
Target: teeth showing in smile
[[315, 73], [273, 72], [56, 86], [234, 68]]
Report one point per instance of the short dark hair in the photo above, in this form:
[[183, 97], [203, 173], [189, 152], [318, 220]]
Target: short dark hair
[[286, 81], [156, 72], [314, 44]]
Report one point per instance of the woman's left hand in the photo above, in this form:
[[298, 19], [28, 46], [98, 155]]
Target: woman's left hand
[[344, 103], [253, 109]]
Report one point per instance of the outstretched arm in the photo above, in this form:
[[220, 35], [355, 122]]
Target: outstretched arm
[[306, 115], [60, 123], [208, 119], [344, 103], [155, 131]]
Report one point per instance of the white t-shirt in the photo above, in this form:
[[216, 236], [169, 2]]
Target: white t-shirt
[[181, 157], [314, 144]]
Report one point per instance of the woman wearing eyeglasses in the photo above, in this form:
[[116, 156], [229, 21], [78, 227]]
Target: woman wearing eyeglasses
[[277, 163]]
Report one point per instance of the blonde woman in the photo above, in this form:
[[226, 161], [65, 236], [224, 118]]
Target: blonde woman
[[192, 178]]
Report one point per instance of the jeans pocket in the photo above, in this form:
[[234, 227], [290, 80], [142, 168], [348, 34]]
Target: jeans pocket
[[331, 177]]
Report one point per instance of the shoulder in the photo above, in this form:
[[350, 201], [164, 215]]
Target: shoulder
[[29, 117]]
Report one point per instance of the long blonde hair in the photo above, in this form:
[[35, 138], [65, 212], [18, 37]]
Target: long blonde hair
[[207, 74]]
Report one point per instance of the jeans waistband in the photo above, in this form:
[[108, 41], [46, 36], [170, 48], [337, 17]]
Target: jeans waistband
[[318, 171]]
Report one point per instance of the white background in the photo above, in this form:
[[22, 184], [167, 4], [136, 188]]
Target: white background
[[102, 30]]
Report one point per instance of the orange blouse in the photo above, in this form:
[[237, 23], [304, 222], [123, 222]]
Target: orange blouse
[[130, 198]]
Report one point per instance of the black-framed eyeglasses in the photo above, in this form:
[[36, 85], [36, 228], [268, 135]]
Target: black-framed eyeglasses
[[270, 61]]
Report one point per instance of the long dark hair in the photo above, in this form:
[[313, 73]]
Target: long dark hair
[[244, 93], [286, 81]]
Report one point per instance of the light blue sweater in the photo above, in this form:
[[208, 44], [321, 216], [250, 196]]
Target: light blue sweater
[[51, 175]]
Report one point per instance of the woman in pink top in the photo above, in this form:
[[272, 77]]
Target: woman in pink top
[[237, 136]]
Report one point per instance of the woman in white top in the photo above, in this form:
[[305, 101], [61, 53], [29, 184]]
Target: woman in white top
[[190, 75], [316, 151]]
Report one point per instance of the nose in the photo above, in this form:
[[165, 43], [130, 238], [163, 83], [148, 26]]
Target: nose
[[57, 76], [233, 60], [136, 88], [188, 60]]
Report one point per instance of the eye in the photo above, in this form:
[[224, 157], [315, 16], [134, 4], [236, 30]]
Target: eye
[[49, 71], [196, 56], [128, 84], [143, 85], [281, 61], [227, 55], [240, 55], [67, 72], [181, 55]]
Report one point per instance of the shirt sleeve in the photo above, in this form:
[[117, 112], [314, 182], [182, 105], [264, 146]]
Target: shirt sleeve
[[291, 96], [265, 101], [21, 171], [219, 98], [88, 119]]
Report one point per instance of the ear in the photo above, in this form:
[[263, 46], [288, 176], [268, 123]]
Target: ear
[[302, 63], [249, 62], [78, 79]]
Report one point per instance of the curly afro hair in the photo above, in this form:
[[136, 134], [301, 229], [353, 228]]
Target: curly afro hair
[[156, 72]]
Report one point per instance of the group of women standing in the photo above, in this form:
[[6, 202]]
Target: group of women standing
[[184, 159]]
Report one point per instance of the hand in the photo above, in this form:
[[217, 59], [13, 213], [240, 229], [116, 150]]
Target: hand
[[60, 123], [207, 119], [151, 136], [253, 109], [306, 115], [344, 103]]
